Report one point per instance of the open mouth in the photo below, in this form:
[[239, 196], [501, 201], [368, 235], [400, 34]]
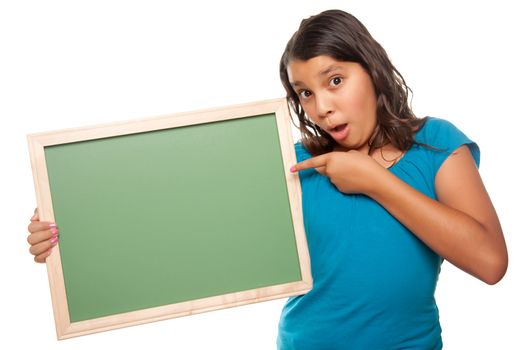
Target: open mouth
[[339, 132], [339, 128]]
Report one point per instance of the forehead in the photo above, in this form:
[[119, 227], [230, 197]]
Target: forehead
[[317, 67]]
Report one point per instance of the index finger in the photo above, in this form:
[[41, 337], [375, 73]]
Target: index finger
[[314, 162], [37, 226]]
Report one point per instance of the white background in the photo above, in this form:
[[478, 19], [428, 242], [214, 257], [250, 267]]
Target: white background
[[70, 63]]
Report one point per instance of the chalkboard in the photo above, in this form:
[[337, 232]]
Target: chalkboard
[[171, 216]]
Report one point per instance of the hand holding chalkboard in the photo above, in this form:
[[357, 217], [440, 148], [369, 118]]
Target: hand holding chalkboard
[[43, 236]]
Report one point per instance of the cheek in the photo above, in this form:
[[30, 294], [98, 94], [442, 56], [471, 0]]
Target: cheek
[[359, 98], [362, 101], [310, 113]]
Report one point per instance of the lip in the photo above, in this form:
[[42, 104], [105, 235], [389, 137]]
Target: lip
[[340, 134]]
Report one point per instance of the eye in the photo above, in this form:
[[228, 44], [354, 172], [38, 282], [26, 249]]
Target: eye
[[335, 81], [304, 93]]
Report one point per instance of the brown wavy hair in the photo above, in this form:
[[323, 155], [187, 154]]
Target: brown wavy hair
[[343, 37]]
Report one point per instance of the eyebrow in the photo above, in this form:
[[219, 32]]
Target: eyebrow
[[326, 71], [330, 69]]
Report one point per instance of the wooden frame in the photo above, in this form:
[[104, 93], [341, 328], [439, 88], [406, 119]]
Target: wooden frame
[[37, 144]]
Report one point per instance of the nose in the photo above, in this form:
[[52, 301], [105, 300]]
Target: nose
[[324, 105]]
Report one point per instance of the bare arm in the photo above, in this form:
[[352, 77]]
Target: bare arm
[[462, 226]]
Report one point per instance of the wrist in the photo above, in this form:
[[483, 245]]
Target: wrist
[[380, 180]]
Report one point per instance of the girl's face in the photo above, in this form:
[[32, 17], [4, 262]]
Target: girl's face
[[337, 96]]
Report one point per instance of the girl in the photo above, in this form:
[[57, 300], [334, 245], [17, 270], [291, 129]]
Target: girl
[[386, 197]]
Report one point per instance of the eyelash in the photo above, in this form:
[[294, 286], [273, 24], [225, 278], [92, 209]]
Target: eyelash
[[336, 78], [302, 92]]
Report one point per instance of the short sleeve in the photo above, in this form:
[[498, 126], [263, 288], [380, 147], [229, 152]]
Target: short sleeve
[[445, 137]]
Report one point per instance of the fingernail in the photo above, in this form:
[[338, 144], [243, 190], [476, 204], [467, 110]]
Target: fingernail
[[54, 231], [52, 225], [293, 169], [54, 240]]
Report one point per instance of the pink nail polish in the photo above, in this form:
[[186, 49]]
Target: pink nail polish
[[54, 240], [54, 231], [293, 169], [52, 225]]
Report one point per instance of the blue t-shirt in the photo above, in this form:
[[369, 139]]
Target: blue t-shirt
[[374, 281]]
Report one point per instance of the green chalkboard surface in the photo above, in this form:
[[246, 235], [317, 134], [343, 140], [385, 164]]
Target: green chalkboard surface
[[172, 215], [120, 252]]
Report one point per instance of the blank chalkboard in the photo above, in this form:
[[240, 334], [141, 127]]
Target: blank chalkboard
[[171, 216]]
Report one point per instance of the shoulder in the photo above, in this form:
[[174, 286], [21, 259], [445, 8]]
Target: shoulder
[[438, 131], [446, 137], [301, 152]]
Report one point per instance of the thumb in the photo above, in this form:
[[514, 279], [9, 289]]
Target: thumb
[[35, 216]]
